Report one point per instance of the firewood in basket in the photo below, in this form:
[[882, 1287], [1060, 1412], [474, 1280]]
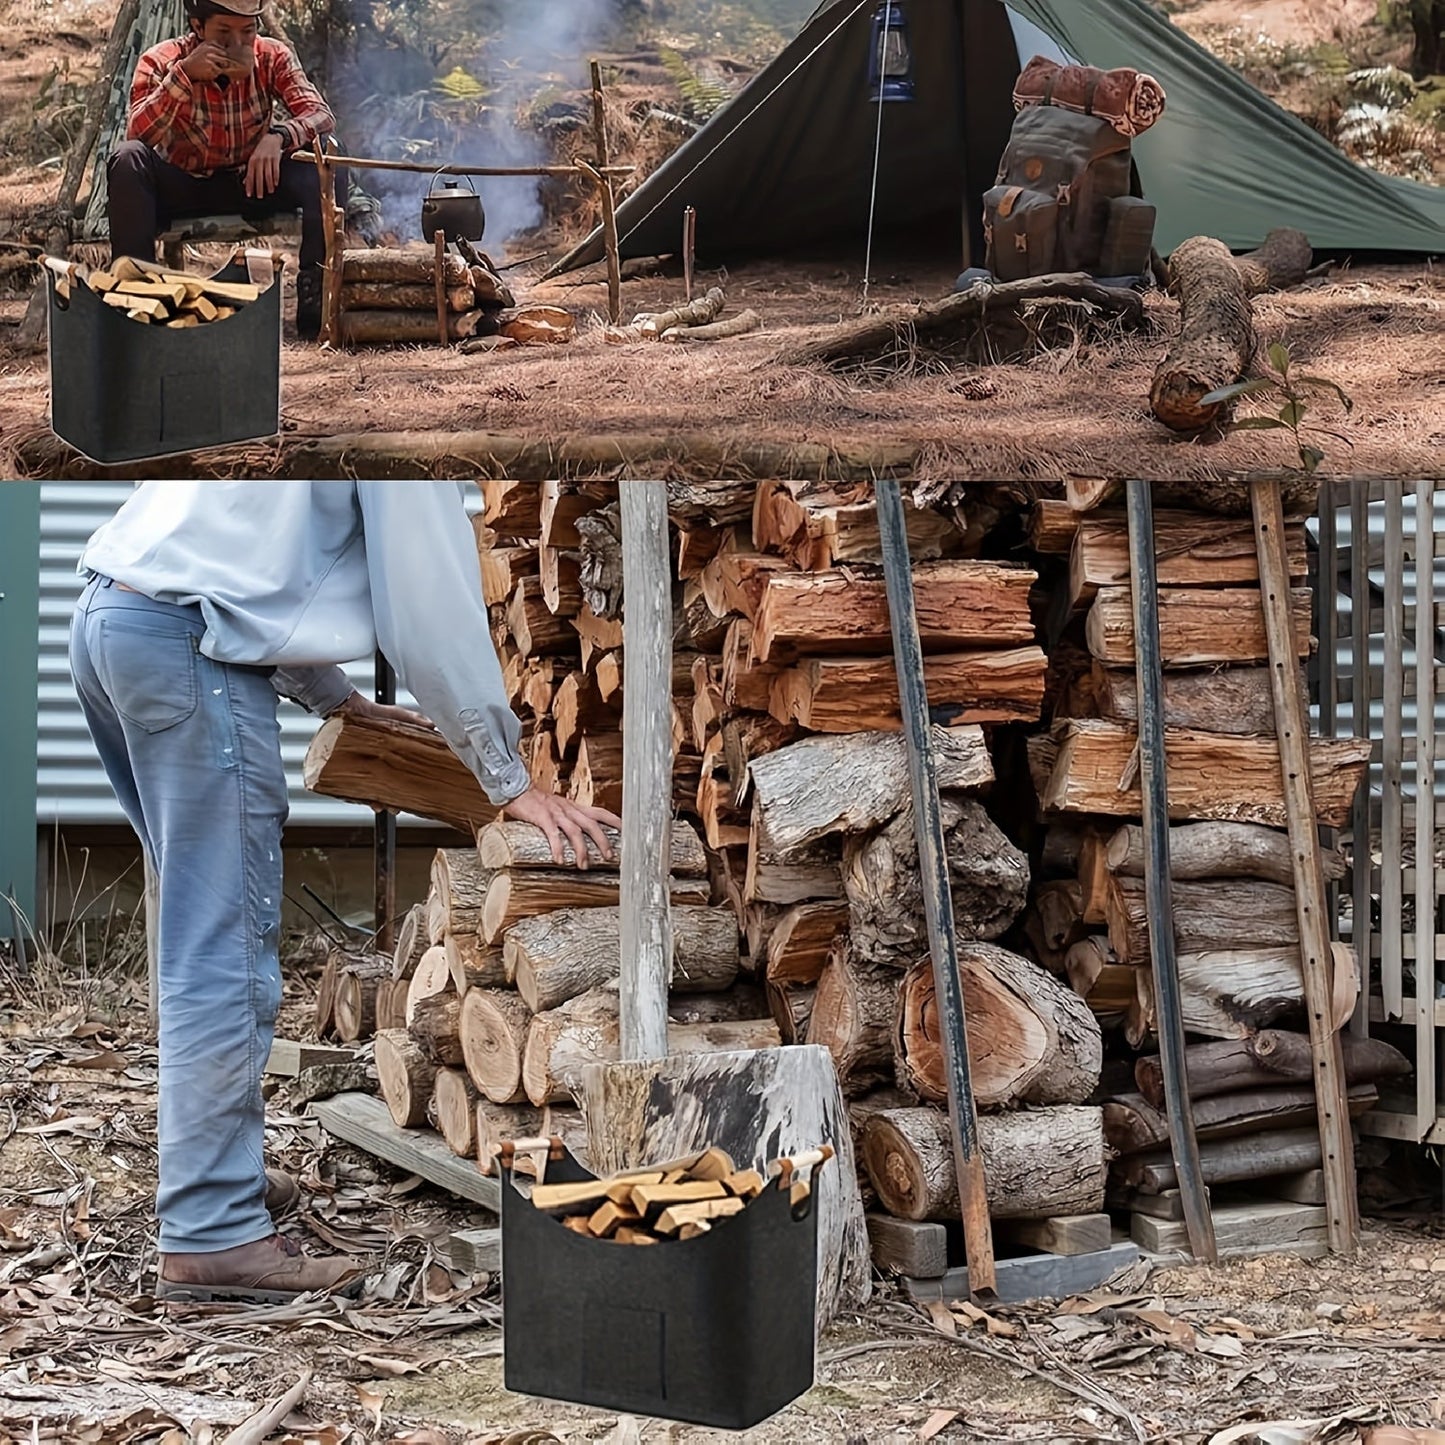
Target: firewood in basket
[[633, 1236], [673, 1218], [553, 1197], [745, 1184], [647, 1197], [605, 1219]]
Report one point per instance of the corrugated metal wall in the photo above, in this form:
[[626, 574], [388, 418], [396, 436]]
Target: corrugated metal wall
[[72, 786]]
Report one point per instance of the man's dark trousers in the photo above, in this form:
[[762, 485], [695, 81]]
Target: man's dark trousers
[[147, 194]]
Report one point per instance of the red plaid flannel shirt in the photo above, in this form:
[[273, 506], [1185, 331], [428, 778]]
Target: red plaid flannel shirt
[[202, 127]]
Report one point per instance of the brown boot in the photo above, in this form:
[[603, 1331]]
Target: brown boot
[[283, 1193], [268, 1271]]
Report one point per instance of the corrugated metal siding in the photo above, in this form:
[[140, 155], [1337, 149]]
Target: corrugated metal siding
[[72, 785]]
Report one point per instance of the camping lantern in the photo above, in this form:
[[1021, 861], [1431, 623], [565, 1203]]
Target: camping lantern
[[890, 75]]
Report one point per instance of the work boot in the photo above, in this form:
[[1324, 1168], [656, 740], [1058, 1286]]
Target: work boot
[[308, 302], [283, 1193], [267, 1271]]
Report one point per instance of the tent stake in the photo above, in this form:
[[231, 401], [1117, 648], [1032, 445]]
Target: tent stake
[[1158, 889], [937, 900]]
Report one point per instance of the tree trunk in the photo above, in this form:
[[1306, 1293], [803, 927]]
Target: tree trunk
[[1197, 627], [988, 882], [1037, 1163], [396, 266], [959, 604], [460, 879], [1216, 339], [432, 976], [1224, 497], [401, 766], [1266, 1155], [1215, 914], [354, 1010], [1233, 700], [471, 964], [1031, 1041], [844, 694], [436, 1026], [411, 943], [852, 1017], [512, 897], [801, 941], [584, 1030], [1230, 993], [493, 1033], [794, 876], [797, 799], [1210, 777], [395, 296], [1288, 1056], [1218, 850], [758, 1108], [454, 1108], [556, 956], [406, 1077]]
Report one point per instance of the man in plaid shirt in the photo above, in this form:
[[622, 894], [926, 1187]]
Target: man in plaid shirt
[[204, 137]]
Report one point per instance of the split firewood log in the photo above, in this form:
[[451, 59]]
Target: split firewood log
[[1216, 341]]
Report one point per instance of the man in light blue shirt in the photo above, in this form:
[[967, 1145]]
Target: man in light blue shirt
[[206, 601]]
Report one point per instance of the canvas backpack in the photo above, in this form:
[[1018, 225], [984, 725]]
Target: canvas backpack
[[1063, 202]]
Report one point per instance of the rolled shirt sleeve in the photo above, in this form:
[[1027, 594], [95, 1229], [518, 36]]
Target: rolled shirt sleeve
[[320, 690], [431, 623]]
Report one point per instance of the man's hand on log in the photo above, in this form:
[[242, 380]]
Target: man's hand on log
[[263, 170], [560, 817], [361, 707]]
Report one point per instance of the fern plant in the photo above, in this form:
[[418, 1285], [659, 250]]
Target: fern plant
[[702, 98], [1294, 392]]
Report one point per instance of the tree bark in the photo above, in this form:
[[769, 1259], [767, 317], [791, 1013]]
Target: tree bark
[[492, 1030], [354, 1010], [1037, 1163], [1266, 1155], [1234, 700], [510, 844], [406, 1077], [409, 268], [1223, 496], [454, 1109], [852, 1017], [1218, 850], [1031, 1040], [1106, 985], [791, 1005], [988, 882], [497, 1123], [436, 1026], [1210, 777], [411, 943], [1197, 628], [397, 296], [814, 871], [1216, 341], [1229, 993], [1215, 914], [1269, 1059], [815, 525], [556, 956], [471, 963], [404, 328], [585, 1030]]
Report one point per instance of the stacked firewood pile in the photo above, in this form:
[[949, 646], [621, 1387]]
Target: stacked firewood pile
[[1236, 932]]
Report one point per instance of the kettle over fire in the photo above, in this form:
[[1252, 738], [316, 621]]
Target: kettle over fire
[[452, 210]]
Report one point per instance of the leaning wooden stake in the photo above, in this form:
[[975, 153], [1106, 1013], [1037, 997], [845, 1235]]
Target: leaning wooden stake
[[1154, 791], [1292, 731], [646, 770], [937, 900], [440, 281], [609, 201], [330, 334]]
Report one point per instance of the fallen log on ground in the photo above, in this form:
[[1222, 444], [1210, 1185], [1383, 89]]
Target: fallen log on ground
[[1216, 341], [739, 325], [900, 328]]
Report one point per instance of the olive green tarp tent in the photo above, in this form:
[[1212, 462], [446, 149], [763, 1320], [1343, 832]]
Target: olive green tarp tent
[[788, 163]]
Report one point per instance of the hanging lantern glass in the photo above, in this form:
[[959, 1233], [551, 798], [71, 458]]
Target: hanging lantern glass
[[890, 73]]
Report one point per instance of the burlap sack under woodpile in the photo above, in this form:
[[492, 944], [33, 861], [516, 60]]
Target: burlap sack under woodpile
[[1128, 99]]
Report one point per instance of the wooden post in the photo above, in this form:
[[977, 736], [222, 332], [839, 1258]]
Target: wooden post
[[1425, 810], [1291, 721], [937, 900], [1154, 792], [441, 285], [330, 334], [646, 921], [609, 201], [689, 249]]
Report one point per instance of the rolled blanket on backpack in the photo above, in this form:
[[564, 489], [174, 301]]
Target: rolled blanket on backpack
[[1126, 99]]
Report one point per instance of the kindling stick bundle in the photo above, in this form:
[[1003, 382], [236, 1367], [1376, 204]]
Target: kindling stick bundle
[[153, 295]]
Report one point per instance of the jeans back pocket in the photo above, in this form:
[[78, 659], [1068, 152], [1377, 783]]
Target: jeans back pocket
[[148, 671]]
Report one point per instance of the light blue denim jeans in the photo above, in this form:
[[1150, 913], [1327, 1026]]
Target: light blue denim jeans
[[192, 748]]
